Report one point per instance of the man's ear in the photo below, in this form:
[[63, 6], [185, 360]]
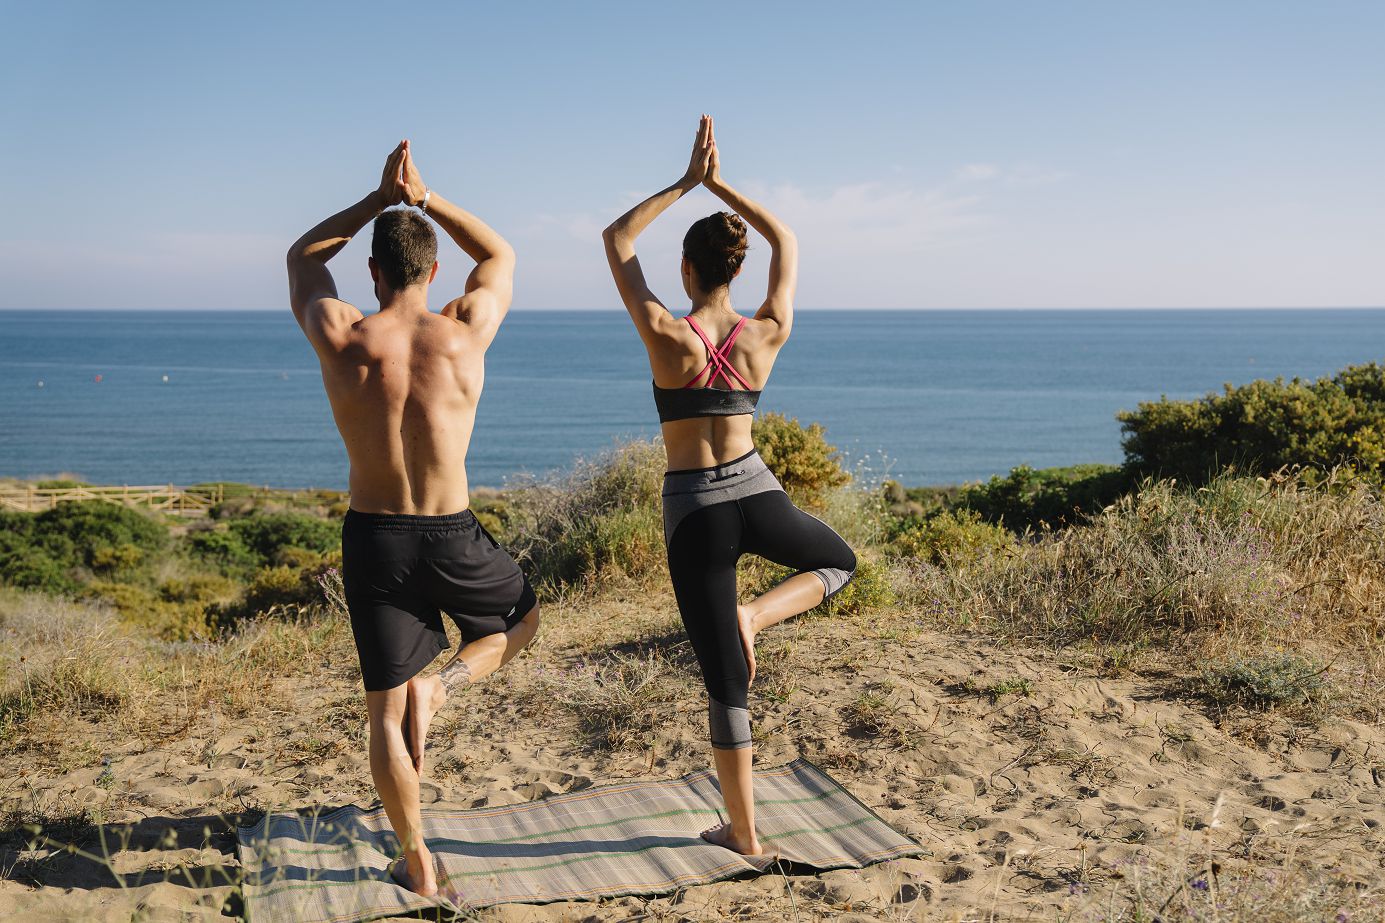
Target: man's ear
[[434, 274], [374, 269]]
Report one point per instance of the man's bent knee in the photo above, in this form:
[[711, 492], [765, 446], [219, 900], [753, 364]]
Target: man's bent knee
[[530, 623]]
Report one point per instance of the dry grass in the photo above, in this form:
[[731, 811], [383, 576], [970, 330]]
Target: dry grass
[[1241, 575], [66, 662], [1248, 567], [600, 521], [1271, 879]]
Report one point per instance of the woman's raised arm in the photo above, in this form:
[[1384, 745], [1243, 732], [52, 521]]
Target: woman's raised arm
[[648, 313], [783, 261]]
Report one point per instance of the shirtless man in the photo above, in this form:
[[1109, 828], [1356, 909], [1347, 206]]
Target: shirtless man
[[403, 384]]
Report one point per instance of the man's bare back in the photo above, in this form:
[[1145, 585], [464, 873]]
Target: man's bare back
[[404, 390]]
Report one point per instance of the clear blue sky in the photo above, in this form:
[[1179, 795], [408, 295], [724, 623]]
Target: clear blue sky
[[928, 154]]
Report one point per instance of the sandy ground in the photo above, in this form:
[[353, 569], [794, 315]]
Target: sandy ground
[[1036, 787]]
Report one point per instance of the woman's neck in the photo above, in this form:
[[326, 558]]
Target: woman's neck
[[717, 302]]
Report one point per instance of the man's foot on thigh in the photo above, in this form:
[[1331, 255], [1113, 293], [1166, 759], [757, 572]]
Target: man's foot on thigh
[[426, 696]]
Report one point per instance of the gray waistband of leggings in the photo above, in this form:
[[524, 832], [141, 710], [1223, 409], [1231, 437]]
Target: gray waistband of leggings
[[686, 492]]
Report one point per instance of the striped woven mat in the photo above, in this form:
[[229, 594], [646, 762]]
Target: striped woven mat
[[638, 837]]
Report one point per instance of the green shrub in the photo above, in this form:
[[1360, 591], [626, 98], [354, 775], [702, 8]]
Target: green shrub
[[25, 565], [1028, 497], [870, 588], [266, 534], [115, 559], [92, 524], [203, 589], [1264, 426], [47, 550], [282, 589], [956, 536], [917, 502], [799, 456], [172, 620], [223, 548], [279, 586]]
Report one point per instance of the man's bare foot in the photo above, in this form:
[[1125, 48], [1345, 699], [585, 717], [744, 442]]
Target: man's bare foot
[[416, 867], [426, 695], [727, 838], [746, 624]]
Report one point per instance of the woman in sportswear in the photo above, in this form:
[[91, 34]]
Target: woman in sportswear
[[720, 501]]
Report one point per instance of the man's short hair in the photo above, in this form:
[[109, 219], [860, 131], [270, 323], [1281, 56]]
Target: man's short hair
[[404, 246]]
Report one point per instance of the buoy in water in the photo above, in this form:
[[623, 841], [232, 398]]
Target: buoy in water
[[97, 379], [165, 378], [40, 382]]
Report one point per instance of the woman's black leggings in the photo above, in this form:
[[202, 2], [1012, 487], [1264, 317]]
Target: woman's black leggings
[[711, 517]]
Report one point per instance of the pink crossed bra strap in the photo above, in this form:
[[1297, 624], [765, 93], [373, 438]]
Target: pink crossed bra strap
[[718, 359]]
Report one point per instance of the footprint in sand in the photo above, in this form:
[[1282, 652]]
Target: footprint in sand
[[957, 874], [533, 791], [912, 891]]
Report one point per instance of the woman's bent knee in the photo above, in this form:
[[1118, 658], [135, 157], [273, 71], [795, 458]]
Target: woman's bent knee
[[837, 573], [730, 726]]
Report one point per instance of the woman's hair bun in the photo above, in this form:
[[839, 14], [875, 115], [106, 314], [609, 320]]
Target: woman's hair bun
[[716, 247]]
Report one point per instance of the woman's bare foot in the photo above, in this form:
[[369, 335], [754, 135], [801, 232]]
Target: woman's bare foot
[[416, 867], [727, 838], [745, 622], [426, 695]]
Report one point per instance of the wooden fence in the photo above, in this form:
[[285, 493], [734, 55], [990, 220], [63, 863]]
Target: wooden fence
[[164, 497]]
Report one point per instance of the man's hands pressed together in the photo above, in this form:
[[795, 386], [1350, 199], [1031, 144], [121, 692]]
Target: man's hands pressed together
[[389, 192], [411, 188]]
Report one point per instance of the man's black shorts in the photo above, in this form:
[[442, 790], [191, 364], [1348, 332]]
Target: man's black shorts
[[402, 572]]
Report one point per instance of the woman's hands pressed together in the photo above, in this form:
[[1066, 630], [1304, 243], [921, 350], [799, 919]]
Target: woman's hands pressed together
[[701, 154]]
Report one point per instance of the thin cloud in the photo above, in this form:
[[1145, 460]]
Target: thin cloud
[[978, 171]]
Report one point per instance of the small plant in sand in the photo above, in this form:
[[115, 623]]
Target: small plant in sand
[[877, 714], [1264, 682], [619, 700]]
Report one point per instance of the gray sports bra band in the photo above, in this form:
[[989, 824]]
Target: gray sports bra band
[[694, 400]]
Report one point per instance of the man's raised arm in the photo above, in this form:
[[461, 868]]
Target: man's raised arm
[[486, 298], [312, 291]]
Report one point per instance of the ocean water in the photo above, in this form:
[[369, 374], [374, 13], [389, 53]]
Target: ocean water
[[929, 397]]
